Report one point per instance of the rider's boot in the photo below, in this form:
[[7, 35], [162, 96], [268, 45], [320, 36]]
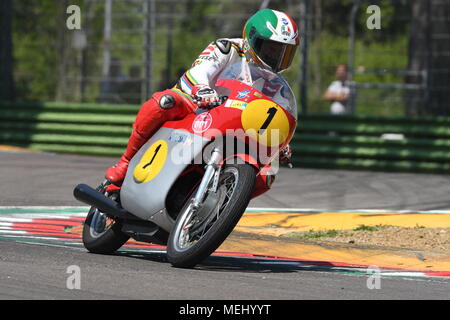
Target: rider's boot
[[116, 174]]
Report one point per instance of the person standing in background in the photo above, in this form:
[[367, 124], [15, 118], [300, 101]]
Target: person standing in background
[[338, 92]]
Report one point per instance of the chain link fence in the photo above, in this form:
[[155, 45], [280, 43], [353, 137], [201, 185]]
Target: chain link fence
[[399, 67], [127, 49]]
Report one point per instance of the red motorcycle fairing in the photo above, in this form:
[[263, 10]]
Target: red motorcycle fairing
[[246, 110], [233, 114]]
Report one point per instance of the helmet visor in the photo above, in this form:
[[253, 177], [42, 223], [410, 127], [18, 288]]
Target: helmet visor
[[276, 55]]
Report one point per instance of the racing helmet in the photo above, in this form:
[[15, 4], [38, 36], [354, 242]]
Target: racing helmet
[[271, 39]]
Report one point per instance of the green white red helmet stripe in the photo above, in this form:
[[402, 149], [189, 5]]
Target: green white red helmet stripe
[[285, 30]]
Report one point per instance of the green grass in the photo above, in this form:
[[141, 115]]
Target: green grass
[[363, 227], [317, 234], [312, 234]]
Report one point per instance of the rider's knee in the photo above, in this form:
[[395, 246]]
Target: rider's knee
[[163, 106], [165, 100]]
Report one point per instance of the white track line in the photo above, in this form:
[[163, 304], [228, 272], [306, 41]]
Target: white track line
[[14, 219], [300, 210]]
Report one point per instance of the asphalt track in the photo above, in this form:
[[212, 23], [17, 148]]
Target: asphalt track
[[30, 178], [39, 271]]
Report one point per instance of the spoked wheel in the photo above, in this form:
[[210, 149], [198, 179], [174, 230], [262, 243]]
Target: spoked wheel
[[102, 234], [198, 233]]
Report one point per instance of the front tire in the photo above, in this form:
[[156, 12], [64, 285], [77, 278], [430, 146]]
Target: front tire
[[102, 234], [188, 244]]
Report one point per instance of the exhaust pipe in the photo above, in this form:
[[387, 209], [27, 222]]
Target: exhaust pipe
[[90, 196]]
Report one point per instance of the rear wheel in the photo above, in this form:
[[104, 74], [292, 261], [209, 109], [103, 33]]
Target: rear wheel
[[102, 234], [198, 233]]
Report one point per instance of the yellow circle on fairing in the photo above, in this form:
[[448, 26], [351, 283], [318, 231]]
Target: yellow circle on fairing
[[266, 122], [151, 162]]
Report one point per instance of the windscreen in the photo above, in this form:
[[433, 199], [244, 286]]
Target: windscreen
[[270, 84]]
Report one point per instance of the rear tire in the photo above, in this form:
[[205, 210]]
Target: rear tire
[[217, 233]]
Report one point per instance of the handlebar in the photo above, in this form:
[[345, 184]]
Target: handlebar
[[212, 105], [222, 99]]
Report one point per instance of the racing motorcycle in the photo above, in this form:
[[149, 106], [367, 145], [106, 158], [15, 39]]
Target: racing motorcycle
[[188, 186]]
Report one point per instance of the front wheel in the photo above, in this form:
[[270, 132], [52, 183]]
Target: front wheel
[[102, 234], [198, 233]]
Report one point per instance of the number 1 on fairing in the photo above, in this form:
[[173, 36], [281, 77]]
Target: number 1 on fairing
[[153, 158], [272, 111]]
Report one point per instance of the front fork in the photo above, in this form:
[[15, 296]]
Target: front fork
[[212, 172]]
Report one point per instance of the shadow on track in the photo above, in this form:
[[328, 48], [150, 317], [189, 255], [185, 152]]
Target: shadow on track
[[220, 263]]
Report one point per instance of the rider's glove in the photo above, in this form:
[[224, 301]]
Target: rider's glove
[[286, 155], [204, 96]]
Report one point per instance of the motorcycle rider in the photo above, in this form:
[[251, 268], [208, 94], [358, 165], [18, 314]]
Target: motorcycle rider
[[270, 39]]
